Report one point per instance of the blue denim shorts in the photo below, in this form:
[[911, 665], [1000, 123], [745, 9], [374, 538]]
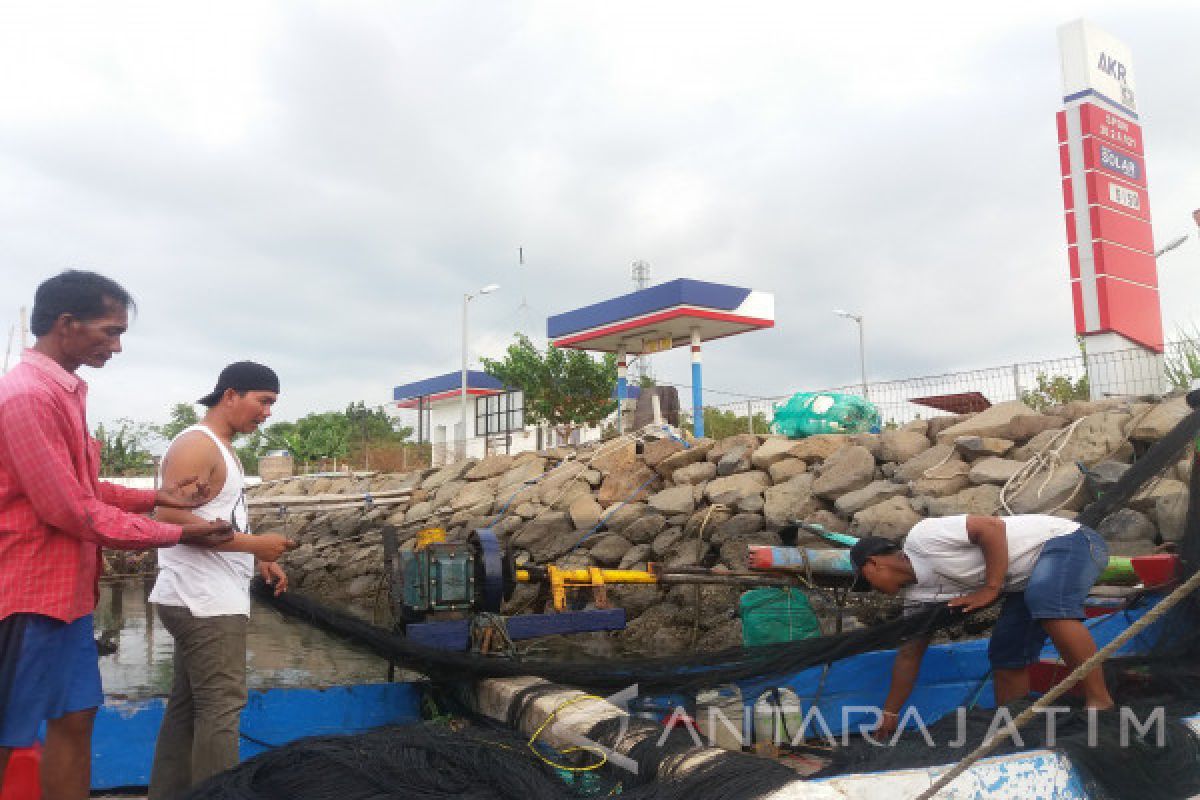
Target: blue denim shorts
[[48, 668], [1062, 576]]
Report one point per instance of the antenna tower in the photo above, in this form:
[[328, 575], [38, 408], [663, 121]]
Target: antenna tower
[[639, 365]]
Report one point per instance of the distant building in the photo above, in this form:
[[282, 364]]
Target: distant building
[[495, 418]]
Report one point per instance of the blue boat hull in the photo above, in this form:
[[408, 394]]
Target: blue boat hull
[[123, 742]]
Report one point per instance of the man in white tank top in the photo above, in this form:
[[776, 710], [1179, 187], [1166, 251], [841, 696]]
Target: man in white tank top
[[203, 596]]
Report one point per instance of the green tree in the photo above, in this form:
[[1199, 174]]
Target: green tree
[[563, 388], [1055, 390], [718, 424], [125, 448], [183, 416]]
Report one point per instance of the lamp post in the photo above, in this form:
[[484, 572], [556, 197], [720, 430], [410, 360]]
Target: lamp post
[[491, 287], [862, 350], [1171, 245]]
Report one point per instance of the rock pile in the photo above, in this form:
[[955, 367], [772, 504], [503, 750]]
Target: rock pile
[[627, 503]]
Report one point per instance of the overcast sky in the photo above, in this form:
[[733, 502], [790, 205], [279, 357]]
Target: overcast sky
[[314, 185]]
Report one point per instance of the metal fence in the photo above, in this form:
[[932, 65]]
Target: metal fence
[[1133, 372]]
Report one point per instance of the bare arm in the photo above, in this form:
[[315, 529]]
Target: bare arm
[[988, 533], [904, 676], [196, 457]]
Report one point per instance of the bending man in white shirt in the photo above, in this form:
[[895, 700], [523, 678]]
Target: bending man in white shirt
[[1043, 566]]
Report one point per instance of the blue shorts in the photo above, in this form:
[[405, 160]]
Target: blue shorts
[[1062, 576], [48, 668]]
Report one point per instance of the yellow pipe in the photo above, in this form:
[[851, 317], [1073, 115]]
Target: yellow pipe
[[584, 576]]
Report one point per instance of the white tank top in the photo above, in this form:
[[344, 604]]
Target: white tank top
[[207, 582]]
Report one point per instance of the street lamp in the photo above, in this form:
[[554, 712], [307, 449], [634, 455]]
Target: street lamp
[[491, 287], [1171, 245], [862, 350]]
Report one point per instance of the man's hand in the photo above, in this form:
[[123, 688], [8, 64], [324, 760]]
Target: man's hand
[[187, 493], [274, 575], [207, 534], [887, 727], [980, 598], [270, 546]]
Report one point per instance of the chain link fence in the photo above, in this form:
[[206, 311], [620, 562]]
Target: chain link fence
[[1133, 372]]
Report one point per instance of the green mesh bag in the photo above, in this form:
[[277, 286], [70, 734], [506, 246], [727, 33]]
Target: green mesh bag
[[810, 413], [771, 615]]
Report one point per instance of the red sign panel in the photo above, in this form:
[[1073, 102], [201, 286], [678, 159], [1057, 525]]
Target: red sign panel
[[1113, 226], [1121, 262], [1130, 309], [1107, 191], [1111, 128]]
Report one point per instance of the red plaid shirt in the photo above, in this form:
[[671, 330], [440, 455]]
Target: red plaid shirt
[[55, 512]]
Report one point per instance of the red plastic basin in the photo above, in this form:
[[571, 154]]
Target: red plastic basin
[[1157, 569], [21, 777]]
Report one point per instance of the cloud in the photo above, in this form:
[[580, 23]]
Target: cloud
[[316, 185]]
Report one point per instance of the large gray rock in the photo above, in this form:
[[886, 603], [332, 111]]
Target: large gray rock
[[874, 492], [627, 486], [998, 471], [1063, 490], [735, 460], [901, 445], [585, 512], [610, 549], [615, 456], [977, 447], [772, 451], [1161, 420], [551, 487], [676, 500], [753, 503], [815, 449], [451, 472], [1026, 426], [872, 441], [890, 519], [665, 541], [707, 515], [733, 488], [491, 466], [1147, 498], [848, 469], [915, 467], [644, 529], [619, 518], [1170, 512], [698, 451], [1097, 436], [747, 440], [418, 512], [736, 526], [700, 472], [446, 493], [655, 452], [786, 469], [1103, 476], [637, 554], [944, 480], [993, 421], [550, 525], [980, 500], [1127, 525], [688, 553], [790, 501]]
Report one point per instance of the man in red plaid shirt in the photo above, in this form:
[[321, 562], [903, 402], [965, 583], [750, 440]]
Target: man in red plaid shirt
[[55, 516]]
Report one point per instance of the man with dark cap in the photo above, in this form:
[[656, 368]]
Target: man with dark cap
[[1043, 566], [55, 516], [203, 596]]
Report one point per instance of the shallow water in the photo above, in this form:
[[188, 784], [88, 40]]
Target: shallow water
[[280, 652]]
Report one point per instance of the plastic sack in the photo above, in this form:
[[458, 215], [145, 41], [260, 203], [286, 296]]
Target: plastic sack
[[810, 413], [771, 615]]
